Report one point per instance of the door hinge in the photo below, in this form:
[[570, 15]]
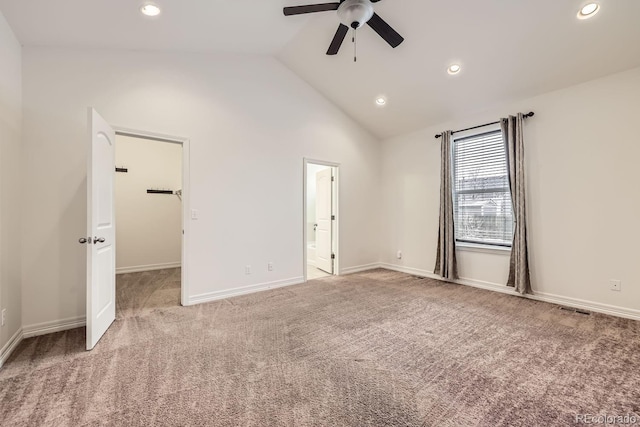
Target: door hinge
[[333, 256], [333, 217], [333, 178]]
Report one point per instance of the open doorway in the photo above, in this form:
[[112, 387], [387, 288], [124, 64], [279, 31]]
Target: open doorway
[[148, 201], [101, 221], [320, 219]]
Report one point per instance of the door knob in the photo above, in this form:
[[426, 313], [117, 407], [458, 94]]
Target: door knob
[[83, 240], [98, 240]]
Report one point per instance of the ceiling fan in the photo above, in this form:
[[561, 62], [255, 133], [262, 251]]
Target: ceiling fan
[[354, 14]]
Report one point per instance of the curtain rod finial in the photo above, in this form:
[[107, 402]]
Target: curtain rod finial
[[438, 135]]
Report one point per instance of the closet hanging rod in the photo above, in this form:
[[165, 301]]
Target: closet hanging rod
[[527, 115]]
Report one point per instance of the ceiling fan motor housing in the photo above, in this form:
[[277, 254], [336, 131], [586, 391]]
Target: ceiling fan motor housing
[[355, 13]]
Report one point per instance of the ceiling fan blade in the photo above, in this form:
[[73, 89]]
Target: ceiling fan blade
[[338, 39], [385, 31], [310, 8]]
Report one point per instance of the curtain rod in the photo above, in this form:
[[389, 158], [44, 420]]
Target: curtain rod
[[529, 114]]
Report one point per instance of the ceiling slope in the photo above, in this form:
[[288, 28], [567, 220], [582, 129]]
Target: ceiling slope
[[244, 26], [508, 50]]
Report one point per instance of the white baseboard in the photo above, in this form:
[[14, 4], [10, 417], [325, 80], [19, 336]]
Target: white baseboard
[[53, 326], [150, 267], [11, 345], [613, 310], [243, 290], [359, 268], [597, 307], [408, 270]]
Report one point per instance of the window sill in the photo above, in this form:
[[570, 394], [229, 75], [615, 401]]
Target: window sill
[[475, 247]]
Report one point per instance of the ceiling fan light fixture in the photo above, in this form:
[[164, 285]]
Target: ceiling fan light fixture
[[150, 9], [588, 10], [454, 69], [352, 14], [355, 13]]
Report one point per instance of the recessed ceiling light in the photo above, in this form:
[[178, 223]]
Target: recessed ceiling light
[[150, 10], [453, 69], [381, 101], [588, 10]]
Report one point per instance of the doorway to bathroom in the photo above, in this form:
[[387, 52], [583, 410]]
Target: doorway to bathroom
[[149, 216], [320, 219]]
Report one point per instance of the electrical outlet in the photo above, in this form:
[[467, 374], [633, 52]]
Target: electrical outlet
[[615, 285], [399, 255], [4, 315], [270, 266], [247, 269]]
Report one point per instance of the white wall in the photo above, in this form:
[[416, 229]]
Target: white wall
[[10, 182], [250, 122], [148, 226], [582, 153]]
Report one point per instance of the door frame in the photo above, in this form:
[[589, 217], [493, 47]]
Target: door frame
[[186, 193], [336, 211]]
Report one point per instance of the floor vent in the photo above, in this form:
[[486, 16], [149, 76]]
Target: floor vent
[[575, 310]]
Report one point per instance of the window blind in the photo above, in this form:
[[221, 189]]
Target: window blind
[[482, 200]]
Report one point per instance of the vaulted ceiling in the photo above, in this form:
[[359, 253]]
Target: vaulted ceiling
[[508, 50]]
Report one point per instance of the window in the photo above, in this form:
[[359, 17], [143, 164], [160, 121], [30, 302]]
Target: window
[[482, 200]]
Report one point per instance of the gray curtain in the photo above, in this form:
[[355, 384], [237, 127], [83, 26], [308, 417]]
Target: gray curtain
[[446, 265], [512, 129]]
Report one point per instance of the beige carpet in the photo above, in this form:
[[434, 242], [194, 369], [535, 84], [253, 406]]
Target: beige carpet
[[373, 349]]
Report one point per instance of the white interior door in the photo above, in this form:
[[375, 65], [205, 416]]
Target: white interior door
[[101, 265], [323, 219]]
